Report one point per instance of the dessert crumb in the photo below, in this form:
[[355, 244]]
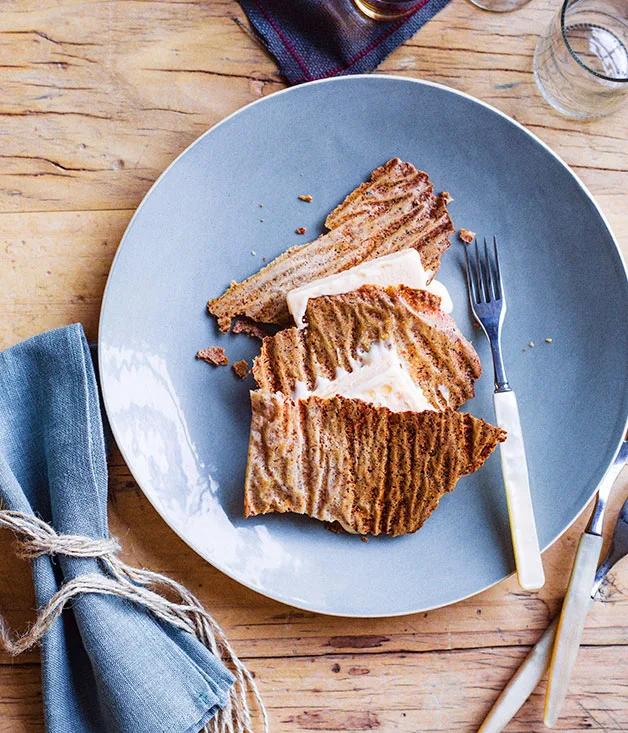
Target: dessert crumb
[[261, 206], [250, 327], [549, 341], [476, 324], [466, 235], [261, 220], [253, 252], [234, 283], [531, 344], [214, 355], [363, 538], [301, 230], [240, 368], [307, 198], [447, 196]]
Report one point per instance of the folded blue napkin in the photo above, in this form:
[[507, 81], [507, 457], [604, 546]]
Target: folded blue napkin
[[316, 39], [107, 664]]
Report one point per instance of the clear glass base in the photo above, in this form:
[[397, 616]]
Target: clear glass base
[[386, 10], [499, 6], [572, 90]]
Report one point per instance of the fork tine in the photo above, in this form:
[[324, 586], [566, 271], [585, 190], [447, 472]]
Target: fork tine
[[471, 284], [490, 280], [498, 278], [481, 291]]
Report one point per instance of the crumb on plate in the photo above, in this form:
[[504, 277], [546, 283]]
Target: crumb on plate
[[240, 368], [531, 344], [447, 196], [549, 341], [301, 230], [214, 355], [307, 197], [466, 235]]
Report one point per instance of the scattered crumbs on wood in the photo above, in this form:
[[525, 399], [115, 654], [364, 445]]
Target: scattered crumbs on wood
[[447, 196], [240, 368], [253, 252], [466, 235], [214, 355], [531, 344], [548, 341], [335, 668], [306, 197], [301, 230]]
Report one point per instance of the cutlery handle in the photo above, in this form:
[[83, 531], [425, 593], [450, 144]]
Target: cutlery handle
[[571, 624], [515, 471], [523, 682]]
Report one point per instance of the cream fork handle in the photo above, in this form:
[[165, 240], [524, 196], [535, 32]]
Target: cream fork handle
[[517, 484], [523, 682], [571, 625]]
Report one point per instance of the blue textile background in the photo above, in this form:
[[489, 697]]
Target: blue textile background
[[107, 665], [316, 39]]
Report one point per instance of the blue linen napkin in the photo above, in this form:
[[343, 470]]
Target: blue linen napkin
[[107, 664], [316, 39]]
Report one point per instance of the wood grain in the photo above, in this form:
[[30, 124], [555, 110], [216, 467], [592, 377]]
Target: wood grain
[[98, 97]]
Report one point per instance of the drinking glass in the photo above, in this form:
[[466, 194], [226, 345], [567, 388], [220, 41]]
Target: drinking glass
[[581, 61], [388, 9], [500, 6]]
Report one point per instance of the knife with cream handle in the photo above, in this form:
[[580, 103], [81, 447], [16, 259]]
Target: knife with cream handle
[[576, 603], [533, 668]]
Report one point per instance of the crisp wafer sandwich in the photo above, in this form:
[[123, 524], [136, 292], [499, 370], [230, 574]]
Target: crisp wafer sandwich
[[354, 419]]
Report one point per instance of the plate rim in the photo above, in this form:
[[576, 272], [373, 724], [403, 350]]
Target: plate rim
[[335, 80]]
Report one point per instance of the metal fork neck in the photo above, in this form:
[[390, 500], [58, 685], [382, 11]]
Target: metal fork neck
[[501, 381]]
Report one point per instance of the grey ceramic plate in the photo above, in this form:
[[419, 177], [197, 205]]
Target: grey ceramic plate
[[183, 426]]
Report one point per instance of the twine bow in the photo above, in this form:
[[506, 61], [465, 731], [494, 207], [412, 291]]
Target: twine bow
[[36, 538]]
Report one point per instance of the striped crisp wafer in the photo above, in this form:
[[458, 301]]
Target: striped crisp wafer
[[371, 470]]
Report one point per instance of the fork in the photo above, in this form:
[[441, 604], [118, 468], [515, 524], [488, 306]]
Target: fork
[[488, 304]]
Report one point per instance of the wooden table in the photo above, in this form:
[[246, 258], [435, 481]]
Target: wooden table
[[97, 98]]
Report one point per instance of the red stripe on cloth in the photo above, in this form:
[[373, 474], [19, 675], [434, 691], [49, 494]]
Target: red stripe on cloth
[[365, 51], [289, 47]]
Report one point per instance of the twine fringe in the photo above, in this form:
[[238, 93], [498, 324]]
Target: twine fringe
[[36, 538]]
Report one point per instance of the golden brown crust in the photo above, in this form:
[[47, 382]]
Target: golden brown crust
[[214, 355], [438, 357], [372, 470], [397, 209]]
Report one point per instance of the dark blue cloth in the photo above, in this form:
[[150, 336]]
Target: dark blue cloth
[[316, 39], [107, 665]]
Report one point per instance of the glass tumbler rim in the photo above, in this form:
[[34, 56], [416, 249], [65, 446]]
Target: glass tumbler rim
[[577, 59]]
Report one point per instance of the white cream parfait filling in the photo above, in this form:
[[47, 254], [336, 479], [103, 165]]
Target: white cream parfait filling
[[378, 376], [400, 268]]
